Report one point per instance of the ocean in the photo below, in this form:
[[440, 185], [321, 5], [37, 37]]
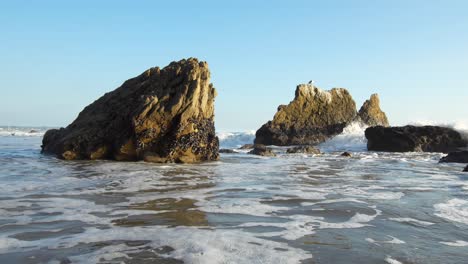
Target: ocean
[[294, 208]]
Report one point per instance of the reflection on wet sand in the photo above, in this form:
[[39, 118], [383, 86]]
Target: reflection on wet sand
[[170, 212]]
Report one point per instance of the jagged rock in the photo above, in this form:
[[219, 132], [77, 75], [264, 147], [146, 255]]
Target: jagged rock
[[262, 150], [303, 149], [229, 151], [371, 114], [456, 157], [346, 154], [162, 115], [465, 169], [312, 117], [247, 146], [412, 138]]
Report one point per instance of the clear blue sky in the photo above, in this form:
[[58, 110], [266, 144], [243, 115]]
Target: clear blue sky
[[59, 56]]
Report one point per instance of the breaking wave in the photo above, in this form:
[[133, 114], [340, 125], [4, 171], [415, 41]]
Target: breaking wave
[[352, 139], [22, 131], [235, 139]]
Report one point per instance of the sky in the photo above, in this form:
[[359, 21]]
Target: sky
[[59, 56]]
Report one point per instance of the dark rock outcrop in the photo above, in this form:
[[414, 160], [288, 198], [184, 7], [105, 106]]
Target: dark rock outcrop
[[262, 150], [303, 149], [465, 169], [413, 138], [162, 115], [311, 118], [227, 151], [371, 114], [346, 154], [456, 157]]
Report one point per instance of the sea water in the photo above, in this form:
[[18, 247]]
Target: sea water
[[294, 208]]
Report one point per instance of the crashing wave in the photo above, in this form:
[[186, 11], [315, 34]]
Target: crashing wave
[[22, 131], [352, 139], [235, 139]]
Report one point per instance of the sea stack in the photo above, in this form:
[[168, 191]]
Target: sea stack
[[414, 139], [316, 115], [371, 114], [162, 115]]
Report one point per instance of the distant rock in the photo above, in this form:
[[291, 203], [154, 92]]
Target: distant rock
[[456, 157], [371, 114], [414, 139], [316, 115], [229, 151], [303, 149], [346, 154], [247, 146], [311, 118], [466, 169], [32, 131], [262, 150], [162, 115]]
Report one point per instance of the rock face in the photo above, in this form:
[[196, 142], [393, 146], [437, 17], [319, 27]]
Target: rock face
[[456, 157], [304, 150], [312, 117], [316, 115], [371, 114], [262, 150], [412, 138], [465, 169], [163, 115]]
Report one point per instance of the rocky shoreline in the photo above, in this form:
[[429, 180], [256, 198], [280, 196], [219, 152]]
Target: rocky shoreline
[[167, 115]]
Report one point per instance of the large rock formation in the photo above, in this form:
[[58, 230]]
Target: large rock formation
[[262, 150], [414, 139], [304, 149], [163, 115], [316, 115], [371, 114]]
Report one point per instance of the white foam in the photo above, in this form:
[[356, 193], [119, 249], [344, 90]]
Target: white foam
[[22, 131], [390, 260], [454, 210], [357, 221], [192, 245], [249, 206], [393, 240], [458, 243], [352, 139], [7, 243], [370, 193], [329, 201]]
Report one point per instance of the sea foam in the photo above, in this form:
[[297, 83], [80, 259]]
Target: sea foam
[[352, 139]]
